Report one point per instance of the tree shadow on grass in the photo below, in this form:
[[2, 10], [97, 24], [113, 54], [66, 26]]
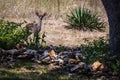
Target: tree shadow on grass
[[84, 28], [54, 74], [27, 70], [24, 69]]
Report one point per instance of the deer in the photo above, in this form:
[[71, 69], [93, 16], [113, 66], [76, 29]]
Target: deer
[[36, 27]]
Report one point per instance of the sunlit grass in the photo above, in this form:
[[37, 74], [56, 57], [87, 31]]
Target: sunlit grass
[[26, 8]]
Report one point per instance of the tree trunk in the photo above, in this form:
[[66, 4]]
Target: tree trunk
[[112, 8]]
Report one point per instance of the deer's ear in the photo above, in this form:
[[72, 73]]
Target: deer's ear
[[44, 14], [37, 13]]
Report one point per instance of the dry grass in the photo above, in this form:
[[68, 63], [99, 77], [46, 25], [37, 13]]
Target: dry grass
[[57, 34], [53, 24], [26, 8]]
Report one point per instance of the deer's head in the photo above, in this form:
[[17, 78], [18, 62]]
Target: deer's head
[[41, 16]]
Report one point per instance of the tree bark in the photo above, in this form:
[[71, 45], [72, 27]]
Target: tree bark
[[112, 8]]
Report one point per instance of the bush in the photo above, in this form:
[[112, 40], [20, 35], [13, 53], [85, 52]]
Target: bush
[[10, 34], [96, 50], [99, 50], [115, 66], [82, 18]]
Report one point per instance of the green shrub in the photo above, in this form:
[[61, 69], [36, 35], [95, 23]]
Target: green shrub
[[99, 50], [96, 50], [12, 33], [82, 18], [115, 66]]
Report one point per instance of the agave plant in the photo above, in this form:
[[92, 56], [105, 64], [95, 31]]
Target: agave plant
[[82, 18]]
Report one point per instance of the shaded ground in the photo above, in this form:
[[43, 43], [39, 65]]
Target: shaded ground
[[25, 69], [35, 74]]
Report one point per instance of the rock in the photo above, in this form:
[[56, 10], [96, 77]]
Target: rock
[[37, 61], [66, 59], [59, 61], [2, 50], [46, 59], [22, 56], [12, 51], [115, 74], [46, 56], [66, 53], [52, 53], [45, 53], [31, 52], [101, 78], [90, 67], [81, 65], [71, 61], [79, 54], [20, 52], [97, 66], [51, 66]]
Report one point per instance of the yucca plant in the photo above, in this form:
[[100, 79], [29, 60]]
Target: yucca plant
[[82, 18]]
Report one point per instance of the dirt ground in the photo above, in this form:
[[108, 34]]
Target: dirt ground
[[57, 34]]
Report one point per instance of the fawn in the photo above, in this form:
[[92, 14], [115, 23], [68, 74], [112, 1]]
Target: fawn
[[36, 27]]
